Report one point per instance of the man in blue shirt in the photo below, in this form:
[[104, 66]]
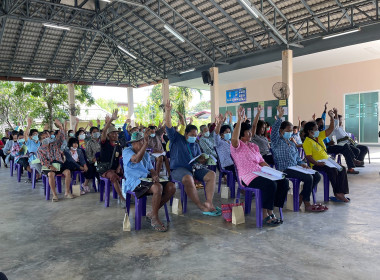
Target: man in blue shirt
[[137, 169], [32, 144], [182, 150]]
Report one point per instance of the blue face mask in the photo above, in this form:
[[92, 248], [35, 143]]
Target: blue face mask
[[287, 135], [191, 139], [20, 141], [207, 134], [35, 138], [316, 134], [153, 135], [52, 136], [227, 136]]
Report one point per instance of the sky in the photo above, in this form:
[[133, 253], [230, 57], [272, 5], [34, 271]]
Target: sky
[[140, 95]]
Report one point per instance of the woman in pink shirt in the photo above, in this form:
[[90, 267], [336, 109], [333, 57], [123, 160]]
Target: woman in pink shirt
[[248, 159]]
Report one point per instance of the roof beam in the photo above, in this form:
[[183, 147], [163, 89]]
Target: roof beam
[[264, 18], [344, 11], [56, 51], [36, 48], [3, 22], [317, 20], [16, 47]]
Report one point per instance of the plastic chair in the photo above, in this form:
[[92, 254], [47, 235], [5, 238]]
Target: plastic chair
[[11, 166], [18, 168], [230, 178], [58, 184], [184, 195], [105, 188], [339, 159], [248, 201], [140, 208], [34, 178]]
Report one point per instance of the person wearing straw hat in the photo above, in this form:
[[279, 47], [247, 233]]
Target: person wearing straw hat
[[141, 177]]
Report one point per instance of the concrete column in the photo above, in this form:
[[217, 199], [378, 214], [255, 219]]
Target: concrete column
[[70, 89], [131, 109], [165, 91], [287, 78], [214, 89]]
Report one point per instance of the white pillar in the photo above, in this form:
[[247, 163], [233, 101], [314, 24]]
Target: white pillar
[[287, 78], [131, 109], [165, 91], [70, 89], [214, 72]]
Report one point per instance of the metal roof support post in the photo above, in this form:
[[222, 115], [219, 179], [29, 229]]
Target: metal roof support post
[[214, 91], [165, 91], [131, 109], [71, 93], [287, 78]]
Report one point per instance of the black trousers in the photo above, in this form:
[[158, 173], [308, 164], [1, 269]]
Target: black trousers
[[273, 193], [309, 181], [346, 151], [269, 159], [232, 169], [338, 179], [360, 151], [2, 155]]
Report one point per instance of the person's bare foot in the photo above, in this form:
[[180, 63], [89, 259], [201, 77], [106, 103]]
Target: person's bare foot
[[341, 196], [157, 224], [210, 207]]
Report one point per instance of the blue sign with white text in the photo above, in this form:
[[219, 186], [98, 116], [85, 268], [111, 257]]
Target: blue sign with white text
[[236, 95]]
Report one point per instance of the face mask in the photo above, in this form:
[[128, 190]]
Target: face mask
[[191, 139], [227, 136], [207, 134], [143, 130], [71, 134], [52, 136], [81, 137], [21, 141], [46, 141], [287, 135], [316, 134], [153, 135], [35, 138], [74, 149], [96, 135]]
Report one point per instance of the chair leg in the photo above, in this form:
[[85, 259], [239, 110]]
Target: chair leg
[[313, 193], [143, 207], [231, 184], [259, 209], [19, 167], [167, 213], [114, 193], [281, 215], [47, 192], [34, 174], [107, 194], [138, 209], [101, 190], [220, 181], [326, 184], [296, 199], [94, 184], [11, 167], [128, 202]]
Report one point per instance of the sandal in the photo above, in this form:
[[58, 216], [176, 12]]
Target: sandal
[[279, 221], [323, 206], [54, 199], [69, 196], [314, 208], [271, 223], [86, 189], [82, 192], [159, 228]]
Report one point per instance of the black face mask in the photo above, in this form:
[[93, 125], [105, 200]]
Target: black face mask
[[320, 128]]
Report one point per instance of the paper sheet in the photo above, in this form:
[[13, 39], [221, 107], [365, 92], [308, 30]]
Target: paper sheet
[[269, 111], [249, 113], [285, 111]]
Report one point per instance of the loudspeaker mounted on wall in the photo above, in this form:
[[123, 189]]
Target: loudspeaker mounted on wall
[[207, 78]]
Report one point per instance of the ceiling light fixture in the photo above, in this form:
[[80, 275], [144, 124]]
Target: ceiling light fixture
[[187, 71], [249, 7], [35, 79], [175, 33], [127, 52], [108, 1], [56, 26], [341, 33]]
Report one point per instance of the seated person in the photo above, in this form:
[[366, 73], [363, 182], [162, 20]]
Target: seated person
[[19, 152], [315, 150], [296, 137], [222, 139], [32, 144], [332, 148], [92, 148], [248, 159], [50, 152], [75, 159], [110, 152], [286, 155], [155, 144], [182, 150], [342, 137], [8, 147], [206, 142], [258, 132], [81, 136], [137, 165]]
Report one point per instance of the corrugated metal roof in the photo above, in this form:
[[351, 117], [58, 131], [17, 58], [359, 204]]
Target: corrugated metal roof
[[214, 31]]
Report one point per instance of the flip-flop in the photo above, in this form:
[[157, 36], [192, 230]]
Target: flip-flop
[[159, 228], [272, 223], [213, 214], [334, 199]]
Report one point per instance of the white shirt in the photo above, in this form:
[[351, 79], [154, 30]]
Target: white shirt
[[338, 131]]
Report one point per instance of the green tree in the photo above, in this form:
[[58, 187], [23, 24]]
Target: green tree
[[202, 106], [54, 99], [16, 104]]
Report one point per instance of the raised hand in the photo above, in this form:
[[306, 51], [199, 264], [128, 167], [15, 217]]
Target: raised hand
[[331, 114], [259, 109], [313, 116], [128, 121], [114, 114], [147, 133], [326, 105], [29, 121], [280, 111], [108, 119], [168, 107], [241, 113], [90, 123], [58, 124], [191, 120]]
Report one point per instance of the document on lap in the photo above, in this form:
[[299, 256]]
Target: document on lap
[[302, 170], [150, 180], [158, 154], [331, 163], [211, 160], [270, 173]]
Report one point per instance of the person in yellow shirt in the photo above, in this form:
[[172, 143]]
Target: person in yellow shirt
[[315, 150]]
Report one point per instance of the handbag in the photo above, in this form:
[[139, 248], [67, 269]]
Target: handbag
[[103, 167], [227, 210]]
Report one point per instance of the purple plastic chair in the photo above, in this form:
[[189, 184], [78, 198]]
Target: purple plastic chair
[[105, 187], [11, 166], [18, 168], [230, 178], [140, 208], [248, 200], [58, 184], [184, 195], [334, 156], [34, 178]]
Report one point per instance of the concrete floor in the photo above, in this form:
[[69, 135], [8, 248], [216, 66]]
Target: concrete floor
[[80, 239]]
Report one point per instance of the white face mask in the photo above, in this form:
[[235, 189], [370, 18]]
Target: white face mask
[[96, 135], [81, 137], [207, 134], [45, 141], [74, 149]]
